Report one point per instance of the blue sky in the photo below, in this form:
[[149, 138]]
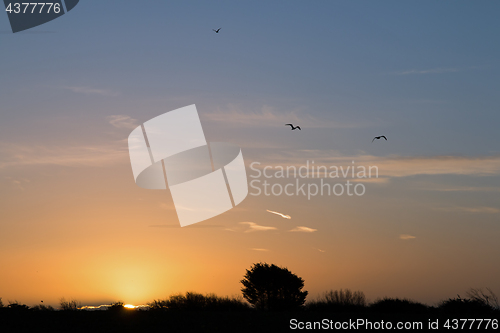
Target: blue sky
[[425, 72]]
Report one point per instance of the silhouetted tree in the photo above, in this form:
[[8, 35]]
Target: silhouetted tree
[[273, 288], [1, 304]]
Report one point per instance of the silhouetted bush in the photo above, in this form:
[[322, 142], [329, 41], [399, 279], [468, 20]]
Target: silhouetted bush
[[195, 301], [116, 307], [396, 305], [72, 305], [271, 287], [488, 297], [338, 300], [464, 306], [1, 304], [16, 306], [158, 304]]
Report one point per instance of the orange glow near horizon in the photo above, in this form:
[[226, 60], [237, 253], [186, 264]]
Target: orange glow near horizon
[[98, 238]]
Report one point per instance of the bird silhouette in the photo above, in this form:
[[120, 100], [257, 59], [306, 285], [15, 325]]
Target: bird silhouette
[[216, 31], [378, 137], [293, 128]]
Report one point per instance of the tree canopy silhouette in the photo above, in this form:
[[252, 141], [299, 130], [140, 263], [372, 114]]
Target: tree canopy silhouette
[[273, 288]]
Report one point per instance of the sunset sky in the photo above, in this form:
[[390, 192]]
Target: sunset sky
[[74, 224]]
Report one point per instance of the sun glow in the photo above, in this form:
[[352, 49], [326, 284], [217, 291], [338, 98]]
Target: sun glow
[[129, 306]]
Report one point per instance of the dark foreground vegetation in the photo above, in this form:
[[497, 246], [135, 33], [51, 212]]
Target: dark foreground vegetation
[[194, 312], [273, 301]]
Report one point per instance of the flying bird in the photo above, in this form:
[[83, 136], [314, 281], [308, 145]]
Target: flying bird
[[216, 31], [293, 128], [378, 137]]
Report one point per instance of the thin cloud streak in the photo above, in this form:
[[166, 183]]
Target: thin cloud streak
[[320, 250], [122, 121], [439, 165], [177, 226], [465, 189], [260, 250], [92, 91], [429, 71], [303, 229], [13, 155], [270, 117], [480, 210], [389, 166], [282, 215], [379, 180], [255, 227], [18, 183]]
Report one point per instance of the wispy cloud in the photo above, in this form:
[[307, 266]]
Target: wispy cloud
[[428, 71], [12, 155], [379, 180], [483, 210], [439, 165], [166, 206], [255, 227], [177, 226], [320, 250], [388, 166], [282, 215], [406, 237], [18, 183], [92, 91], [303, 229], [261, 250], [271, 117], [464, 189], [122, 121]]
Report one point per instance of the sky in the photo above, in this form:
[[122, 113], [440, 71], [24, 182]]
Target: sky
[[425, 74]]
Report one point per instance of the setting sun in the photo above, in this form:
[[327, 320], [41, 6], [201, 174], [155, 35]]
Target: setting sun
[[243, 166]]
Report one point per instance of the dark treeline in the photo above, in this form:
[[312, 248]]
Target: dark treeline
[[272, 296]]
